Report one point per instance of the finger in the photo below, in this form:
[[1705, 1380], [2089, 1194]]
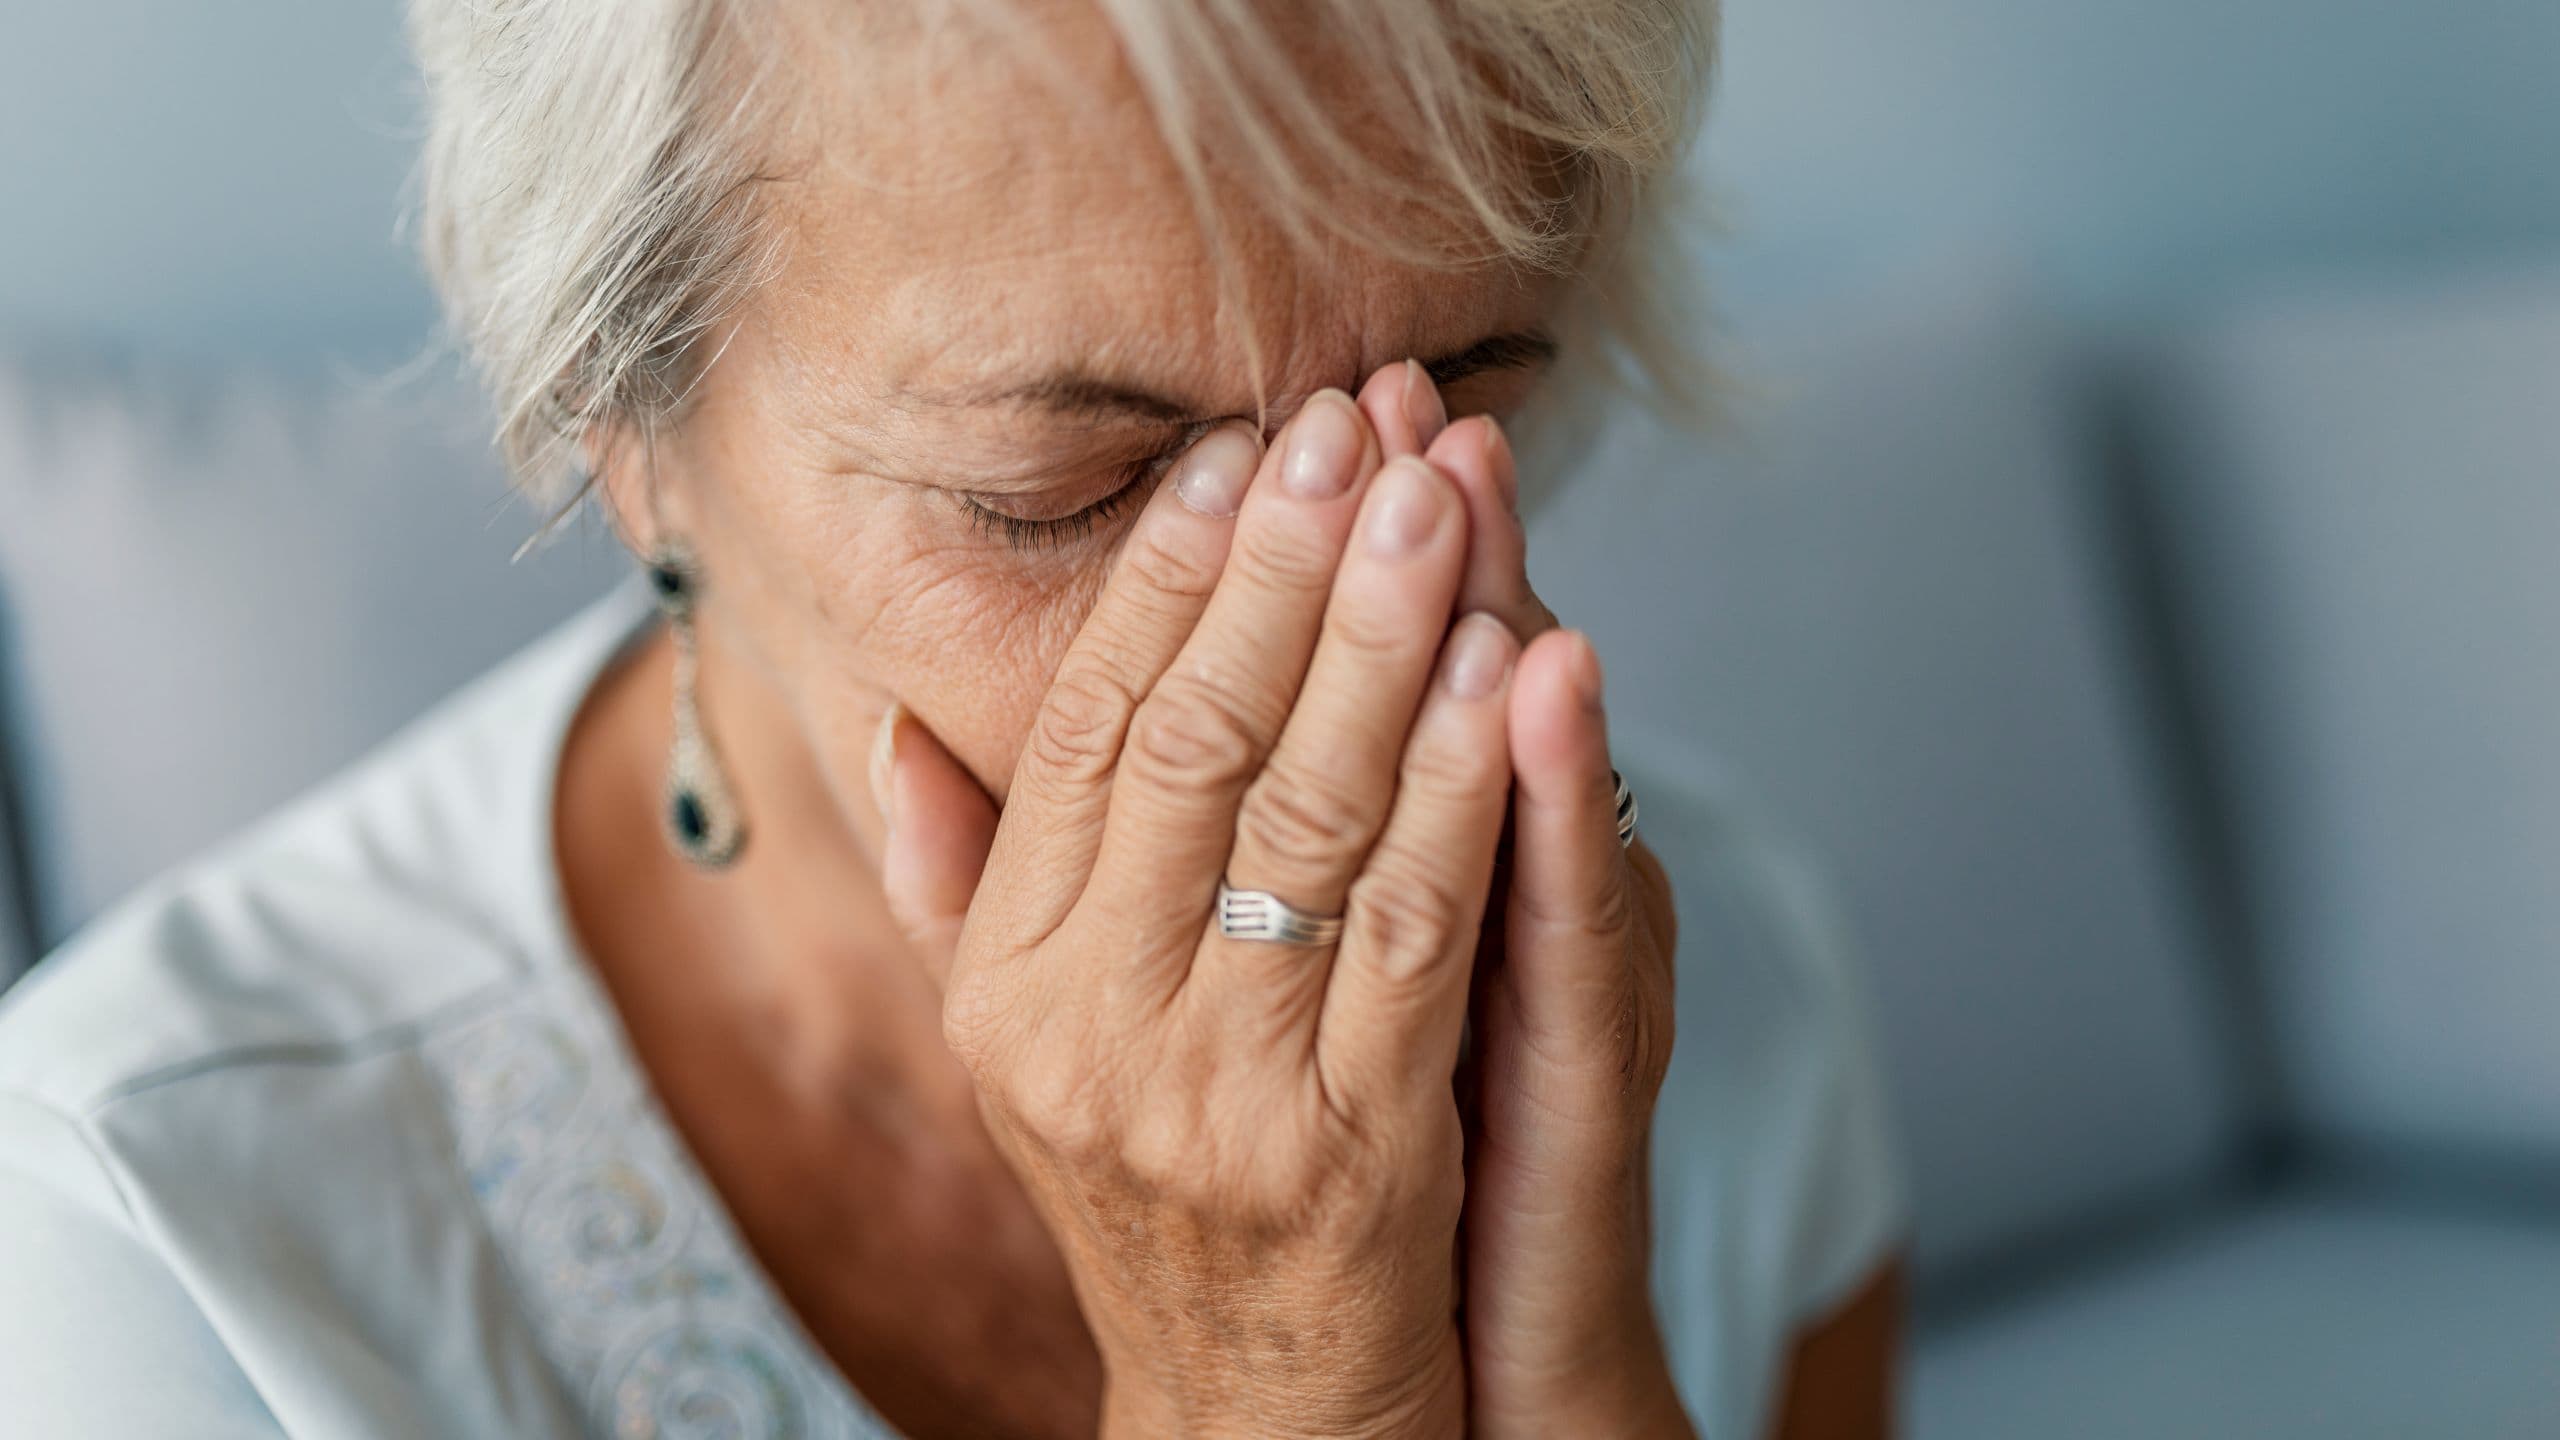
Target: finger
[[1571, 907], [1477, 455], [1308, 820], [1202, 733], [1396, 999], [1405, 407], [1160, 582], [940, 825]]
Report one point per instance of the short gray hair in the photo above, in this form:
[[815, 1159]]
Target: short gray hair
[[585, 192]]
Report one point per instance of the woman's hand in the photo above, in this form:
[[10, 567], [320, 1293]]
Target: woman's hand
[[1572, 1010], [1249, 1152]]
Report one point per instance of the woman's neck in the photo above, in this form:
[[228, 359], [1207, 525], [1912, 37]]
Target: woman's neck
[[792, 945]]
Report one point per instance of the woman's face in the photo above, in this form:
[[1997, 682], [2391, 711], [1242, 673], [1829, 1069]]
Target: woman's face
[[908, 471]]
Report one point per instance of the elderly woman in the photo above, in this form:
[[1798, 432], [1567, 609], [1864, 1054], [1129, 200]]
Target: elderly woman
[[1084, 891]]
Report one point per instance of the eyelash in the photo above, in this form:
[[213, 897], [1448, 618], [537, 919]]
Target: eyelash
[[1021, 534]]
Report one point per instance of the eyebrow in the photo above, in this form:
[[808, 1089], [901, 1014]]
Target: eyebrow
[[1072, 392]]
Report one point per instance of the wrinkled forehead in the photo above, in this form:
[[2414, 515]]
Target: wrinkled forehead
[[956, 218]]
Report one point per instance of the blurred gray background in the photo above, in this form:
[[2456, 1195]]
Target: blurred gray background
[[222, 177], [2126, 574]]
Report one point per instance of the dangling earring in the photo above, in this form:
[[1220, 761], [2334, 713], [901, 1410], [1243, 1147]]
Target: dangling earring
[[701, 811]]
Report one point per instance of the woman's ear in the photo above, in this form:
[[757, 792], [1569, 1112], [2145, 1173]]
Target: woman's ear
[[619, 462]]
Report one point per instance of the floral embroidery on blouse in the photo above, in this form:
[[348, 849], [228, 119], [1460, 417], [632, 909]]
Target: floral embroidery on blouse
[[646, 1303]]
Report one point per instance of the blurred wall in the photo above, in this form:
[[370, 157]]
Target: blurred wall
[[224, 177], [219, 178], [2136, 153]]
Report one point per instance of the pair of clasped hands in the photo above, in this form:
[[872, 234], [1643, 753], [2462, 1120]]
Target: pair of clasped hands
[[1253, 1154]]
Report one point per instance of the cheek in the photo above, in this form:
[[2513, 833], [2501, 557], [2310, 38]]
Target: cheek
[[968, 636], [849, 596]]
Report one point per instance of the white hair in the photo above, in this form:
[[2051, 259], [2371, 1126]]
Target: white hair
[[587, 184]]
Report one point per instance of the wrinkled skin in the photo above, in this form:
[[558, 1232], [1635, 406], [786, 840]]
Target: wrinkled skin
[[1145, 1177]]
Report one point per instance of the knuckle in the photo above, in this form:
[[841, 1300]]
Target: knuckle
[[1611, 1054], [1160, 1156], [1299, 1189], [1304, 820], [1298, 1200], [1451, 771], [1166, 573], [1190, 734], [1612, 911], [1642, 1042], [1602, 914], [1077, 733], [1059, 1107], [1371, 633], [1288, 558], [1409, 917], [1608, 913], [972, 1019]]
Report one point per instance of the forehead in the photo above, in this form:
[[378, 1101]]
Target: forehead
[[955, 221]]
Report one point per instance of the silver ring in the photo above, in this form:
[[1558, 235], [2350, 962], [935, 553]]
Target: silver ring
[[1261, 915], [1626, 811]]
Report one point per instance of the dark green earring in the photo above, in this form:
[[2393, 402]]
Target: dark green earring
[[701, 809]]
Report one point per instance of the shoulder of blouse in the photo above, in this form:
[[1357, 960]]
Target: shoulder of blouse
[[401, 892]]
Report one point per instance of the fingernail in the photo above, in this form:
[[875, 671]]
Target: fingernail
[[1480, 651], [1504, 465], [884, 756], [1586, 673], [1406, 508], [1324, 447], [1212, 475], [1423, 408]]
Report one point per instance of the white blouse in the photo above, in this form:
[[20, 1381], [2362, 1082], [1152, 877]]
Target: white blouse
[[334, 1132]]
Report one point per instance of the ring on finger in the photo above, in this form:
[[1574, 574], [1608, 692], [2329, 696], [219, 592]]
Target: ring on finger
[[1261, 915], [1626, 800]]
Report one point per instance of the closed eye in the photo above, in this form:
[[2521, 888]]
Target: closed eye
[[1135, 481]]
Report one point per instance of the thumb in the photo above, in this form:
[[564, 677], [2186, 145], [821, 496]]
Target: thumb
[[939, 828]]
